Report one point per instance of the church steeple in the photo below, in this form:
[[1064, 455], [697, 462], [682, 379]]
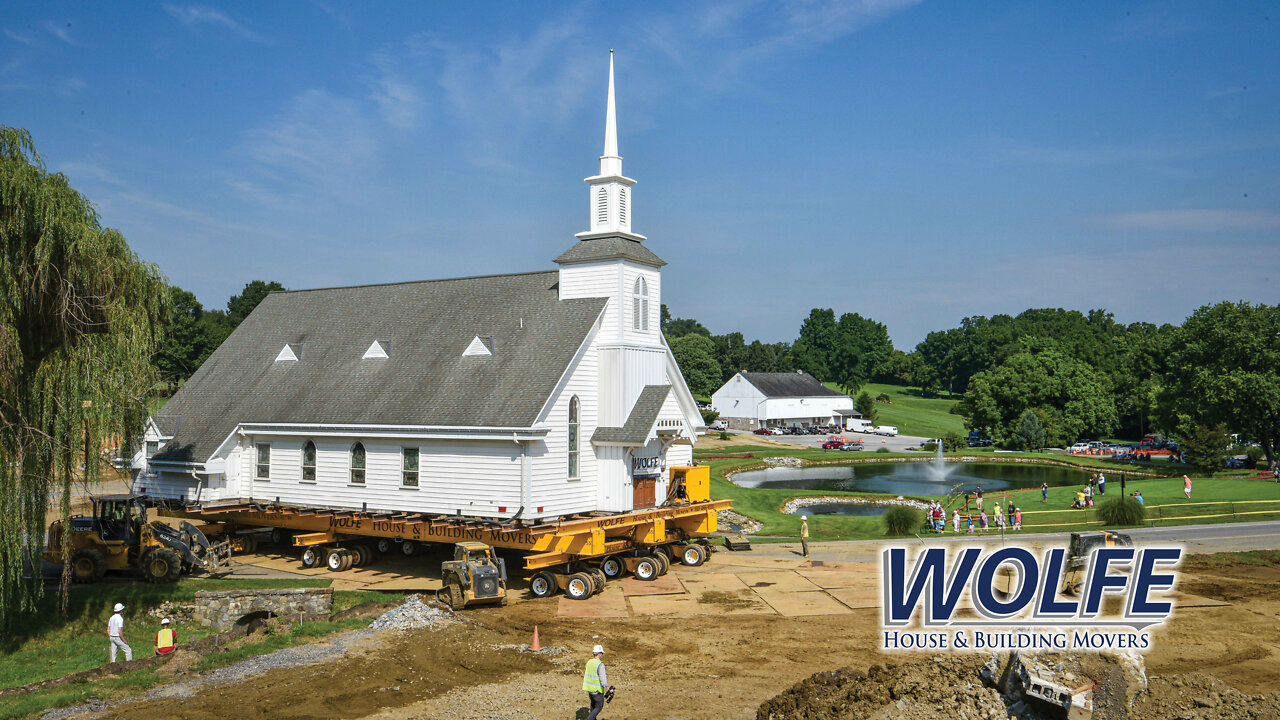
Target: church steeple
[[609, 203]]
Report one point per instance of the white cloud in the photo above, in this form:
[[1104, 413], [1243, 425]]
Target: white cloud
[[1195, 220], [399, 100], [60, 31], [19, 37], [193, 15]]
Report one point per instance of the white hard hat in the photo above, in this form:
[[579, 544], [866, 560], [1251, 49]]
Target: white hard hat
[[804, 517], [597, 650], [164, 621], [119, 607]]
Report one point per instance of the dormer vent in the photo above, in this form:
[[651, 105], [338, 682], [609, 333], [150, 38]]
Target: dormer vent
[[379, 350], [477, 347], [292, 351]]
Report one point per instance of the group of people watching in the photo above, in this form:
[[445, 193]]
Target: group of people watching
[[1000, 519]]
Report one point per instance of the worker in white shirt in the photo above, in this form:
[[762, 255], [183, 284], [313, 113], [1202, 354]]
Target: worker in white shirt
[[115, 633]]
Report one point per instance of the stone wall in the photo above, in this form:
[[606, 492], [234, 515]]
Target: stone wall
[[222, 609]]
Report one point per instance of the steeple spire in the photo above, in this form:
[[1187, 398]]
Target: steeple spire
[[610, 200]]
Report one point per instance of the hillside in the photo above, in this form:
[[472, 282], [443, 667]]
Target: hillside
[[912, 414]]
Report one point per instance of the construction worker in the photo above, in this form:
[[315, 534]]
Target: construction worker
[[166, 638], [804, 535], [115, 634], [595, 683]]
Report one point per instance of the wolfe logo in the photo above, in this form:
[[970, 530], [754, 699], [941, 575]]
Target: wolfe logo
[[1021, 600]]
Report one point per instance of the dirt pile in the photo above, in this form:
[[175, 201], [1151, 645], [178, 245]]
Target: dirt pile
[[1202, 697]]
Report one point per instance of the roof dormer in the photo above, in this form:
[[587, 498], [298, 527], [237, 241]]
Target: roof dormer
[[290, 352], [379, 350]]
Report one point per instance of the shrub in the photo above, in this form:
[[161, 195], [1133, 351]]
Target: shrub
[[883, 398], [724, 435], [708, 415], [927, 447], [882, 450], [955, 442], [902, 520], [1122, 511]]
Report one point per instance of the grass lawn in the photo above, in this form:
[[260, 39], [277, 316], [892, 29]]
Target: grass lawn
[[52, 645], [1230, 493], [911, 413]]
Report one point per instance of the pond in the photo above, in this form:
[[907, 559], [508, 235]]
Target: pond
[[843, 508], [912, 478]]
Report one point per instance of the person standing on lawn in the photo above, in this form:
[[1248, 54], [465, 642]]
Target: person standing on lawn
[[1186, 486], [978, 497], [1044, 492], [115, 634], [804, 535], [1102, 484]]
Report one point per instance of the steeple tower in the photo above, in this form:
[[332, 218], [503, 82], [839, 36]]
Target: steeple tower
[[609, 203]]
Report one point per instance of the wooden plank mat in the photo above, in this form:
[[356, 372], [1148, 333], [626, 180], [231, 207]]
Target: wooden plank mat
[[608, 604], [798, 604], [857, 598], [777, 581], [721, 582], [667, 584], [678, 605]]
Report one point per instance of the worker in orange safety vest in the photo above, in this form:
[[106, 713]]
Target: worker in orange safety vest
[[166, 638]]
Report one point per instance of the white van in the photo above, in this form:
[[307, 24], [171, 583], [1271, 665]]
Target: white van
[[719, 425], [858, 425], [887, 430]]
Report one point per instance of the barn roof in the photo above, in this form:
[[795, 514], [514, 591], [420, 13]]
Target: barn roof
[[425, 380], [793, 384]]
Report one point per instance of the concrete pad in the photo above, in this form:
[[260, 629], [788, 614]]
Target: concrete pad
[[857, 598], [605, 605], [667, 584], [796, 604], [713, 582], [776, 581], [679, 605]]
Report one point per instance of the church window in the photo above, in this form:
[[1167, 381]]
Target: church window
[[309, 462], [602, 206], [264, 461], [574, 432], [409, 463], [357, 464], [640, 306], [622, 205]]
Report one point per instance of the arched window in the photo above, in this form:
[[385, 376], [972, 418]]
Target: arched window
[[309, 462], [640, 306], [602, 206], [357, 464], [574, 431]]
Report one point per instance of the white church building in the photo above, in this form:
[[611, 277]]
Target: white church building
[[532, 396]]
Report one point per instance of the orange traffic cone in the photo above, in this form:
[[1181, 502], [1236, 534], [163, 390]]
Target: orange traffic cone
[[536, 646]]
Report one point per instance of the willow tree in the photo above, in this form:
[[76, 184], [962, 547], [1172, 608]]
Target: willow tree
[[80, 316]]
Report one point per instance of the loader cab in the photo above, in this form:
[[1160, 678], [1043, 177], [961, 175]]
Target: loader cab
[[119, 518]]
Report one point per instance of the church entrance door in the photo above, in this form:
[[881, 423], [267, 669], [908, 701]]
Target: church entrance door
[[645, 492]]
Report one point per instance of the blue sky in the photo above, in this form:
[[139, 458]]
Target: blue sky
[[916, 162]]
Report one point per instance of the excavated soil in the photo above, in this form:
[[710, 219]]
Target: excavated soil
[[1207, 663]]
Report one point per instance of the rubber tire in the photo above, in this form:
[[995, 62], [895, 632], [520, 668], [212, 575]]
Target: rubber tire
[[579, 586], [664, 563], [613, 567], [87, 566], [346, 561], [408, 548], [359, 555], [312, 556], [598, 574], [646, 569], [693, 555], [162, 566], [335, 559], [542, 584], [250, 544], [281, 537], [383, 546]]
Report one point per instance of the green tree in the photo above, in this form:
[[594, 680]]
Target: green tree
[[1030, 433], [80, 317], [862, 348], [695, 354], [1222, 369], [239, 306], [865, 405], [1205, 448], [1075, 398], [730, 354], [816, 345], [186, 341]]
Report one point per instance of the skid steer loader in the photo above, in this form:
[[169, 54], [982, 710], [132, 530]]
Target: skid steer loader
[[117, 536], [475, 575]]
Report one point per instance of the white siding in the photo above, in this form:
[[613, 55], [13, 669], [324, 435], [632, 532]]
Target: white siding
[[553, 490], [795, 410], [614, 479], [736, 398], [595, 280], [629, 335]]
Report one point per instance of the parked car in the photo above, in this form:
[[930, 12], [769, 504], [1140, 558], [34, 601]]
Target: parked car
[[762, 431], [832, 445], [777, 431], [851, 446], [976, 439], [886, 430], [1079, 448], [718, 425]]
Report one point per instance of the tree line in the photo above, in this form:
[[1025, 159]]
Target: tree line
[[1044, 377]]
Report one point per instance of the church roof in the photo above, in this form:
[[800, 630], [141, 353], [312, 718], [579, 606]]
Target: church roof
[[610, 248], [425, 380], [643, 415], [792, 384]]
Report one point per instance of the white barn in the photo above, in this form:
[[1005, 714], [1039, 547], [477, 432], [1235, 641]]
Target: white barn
[[534, 395], [752, 400]]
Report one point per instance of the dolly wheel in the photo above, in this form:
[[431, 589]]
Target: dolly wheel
[[579, 586], [338, 560], [646, 569], [693, 555], [542, 584], [612, 567], [280, 536], [408, 548], [664, 563], [598, 575], [383, 545], [312, 556]]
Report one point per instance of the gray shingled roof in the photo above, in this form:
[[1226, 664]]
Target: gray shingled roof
[[609, 248], [781, 385], [425, 381], [643, 415]]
